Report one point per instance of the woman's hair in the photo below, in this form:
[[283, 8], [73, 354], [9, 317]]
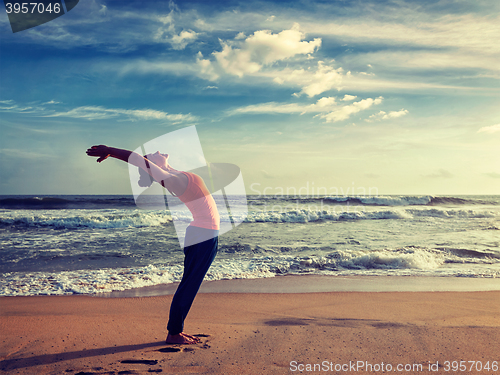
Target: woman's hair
[[145, 179]]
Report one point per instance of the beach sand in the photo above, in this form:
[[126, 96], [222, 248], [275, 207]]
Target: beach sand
[[253, 333]]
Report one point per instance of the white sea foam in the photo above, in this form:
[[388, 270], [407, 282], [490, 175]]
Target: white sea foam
[[404, 261], [385, 259], [397, 200], [71, 219], [124, 248], [108, 280], [304, 215], [102, 219], [463, 214]]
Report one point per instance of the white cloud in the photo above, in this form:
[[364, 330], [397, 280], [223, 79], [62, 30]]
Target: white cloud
[[260, 55], [130, 29], [367, 83], [206, 68], [348, 98], [263, 48], [470, 32], [11, 106], [313, 83], [324, 104], [271, 107], [236, 62], [345, 112], [103, 10], [167, 33], [147, 67], [442, 59], [490, 129], [97, 113], [446, 42], [183, 39], [386, 116], [202, 25], [241, 35], [395, 114], [326, 107]]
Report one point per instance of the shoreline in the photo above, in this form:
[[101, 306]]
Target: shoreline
[[291, 284]]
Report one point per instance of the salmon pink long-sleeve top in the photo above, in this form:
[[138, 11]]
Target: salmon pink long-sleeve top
[[200, 202]]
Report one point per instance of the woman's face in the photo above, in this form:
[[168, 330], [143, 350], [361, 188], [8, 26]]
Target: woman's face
[[159, 159]]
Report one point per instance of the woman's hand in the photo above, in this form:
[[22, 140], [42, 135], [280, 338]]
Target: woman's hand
[[101, 151]]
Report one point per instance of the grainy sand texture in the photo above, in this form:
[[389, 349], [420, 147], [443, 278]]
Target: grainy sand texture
[[259, 333]]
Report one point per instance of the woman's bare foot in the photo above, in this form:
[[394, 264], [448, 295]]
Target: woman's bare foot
[[182, 338], [196, 339]]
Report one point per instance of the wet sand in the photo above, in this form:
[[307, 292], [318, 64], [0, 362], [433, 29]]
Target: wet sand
[[253, 333]]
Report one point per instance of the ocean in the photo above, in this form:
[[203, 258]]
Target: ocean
[[90, 244]]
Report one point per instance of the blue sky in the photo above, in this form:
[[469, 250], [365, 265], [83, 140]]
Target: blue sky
[[400, 97]]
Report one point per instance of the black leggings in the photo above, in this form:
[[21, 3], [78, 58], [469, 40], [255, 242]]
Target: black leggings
[[199, 253]]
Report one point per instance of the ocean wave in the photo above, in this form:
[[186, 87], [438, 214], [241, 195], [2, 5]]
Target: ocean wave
[[119, 279], [470, 255], [408, 200], [462, 214], [306, 216], [385, 200], [407, 261], [389, 200], [79, 219], [102, 219], [127, 201], [443, 254], [377, 200]]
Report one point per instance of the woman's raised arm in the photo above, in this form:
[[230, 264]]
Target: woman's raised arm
[[102, 152]]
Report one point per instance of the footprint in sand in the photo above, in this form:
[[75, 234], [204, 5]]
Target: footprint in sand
[[151, 362], [185, 349], [169, 350]]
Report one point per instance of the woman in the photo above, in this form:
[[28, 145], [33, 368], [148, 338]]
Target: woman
[[200, 244]]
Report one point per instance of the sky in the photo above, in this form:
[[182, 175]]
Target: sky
[[339, 97]]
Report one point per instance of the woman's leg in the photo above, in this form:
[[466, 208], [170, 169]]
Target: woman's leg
[[197, 261]]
